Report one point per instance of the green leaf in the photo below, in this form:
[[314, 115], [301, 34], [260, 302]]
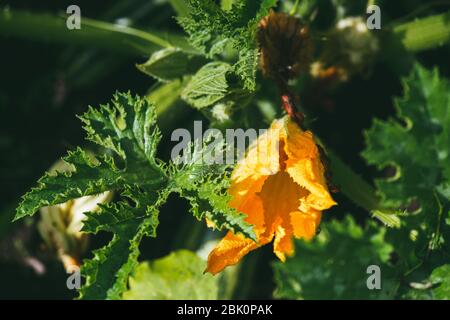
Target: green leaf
[[211, 28], [440, 277], [127, 133], [206, 189], [170, 64], [419, 149], [247, 63], [205, 23], [176, 276], [127, 129], [208, 85], [436, 286], [90, 176], [245, 67], [334, 264], [209, 199], [107, 272]]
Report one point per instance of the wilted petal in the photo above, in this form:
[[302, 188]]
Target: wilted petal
[[229, 251]]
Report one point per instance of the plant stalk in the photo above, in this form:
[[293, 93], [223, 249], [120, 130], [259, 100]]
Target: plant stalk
[[425, 33]]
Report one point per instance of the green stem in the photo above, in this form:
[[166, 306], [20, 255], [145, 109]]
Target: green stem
[[123, 30], [246, 276], [229, 282], [360, 192], [425, 33], [189, 235], [420, 10], [294, 8], [180, 7], [352, 185], [93, 33]]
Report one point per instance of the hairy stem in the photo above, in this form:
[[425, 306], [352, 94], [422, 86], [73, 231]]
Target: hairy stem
[[425, 33]]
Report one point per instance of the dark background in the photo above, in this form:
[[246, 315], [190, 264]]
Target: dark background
[[44, 85]]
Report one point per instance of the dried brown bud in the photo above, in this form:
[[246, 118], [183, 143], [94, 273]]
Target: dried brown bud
[[285, 44]]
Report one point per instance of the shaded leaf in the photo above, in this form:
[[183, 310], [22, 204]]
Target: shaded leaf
[[208, 85], [176, 276], [334, 264], [171, 64]]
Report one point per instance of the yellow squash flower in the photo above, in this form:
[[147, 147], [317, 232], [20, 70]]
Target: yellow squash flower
[[282, 193]]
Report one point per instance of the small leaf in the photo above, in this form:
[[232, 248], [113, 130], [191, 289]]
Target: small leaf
[[171, 64], [390, 219], [246, 67], [208, 85], [440, 277]]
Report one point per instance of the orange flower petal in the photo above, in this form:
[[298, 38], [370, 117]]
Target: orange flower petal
[[245, 199], [229, 251], [280, 196], [305, 225], [283, 244], [261, 159], [280, 186], [305, 167], [309, 174]]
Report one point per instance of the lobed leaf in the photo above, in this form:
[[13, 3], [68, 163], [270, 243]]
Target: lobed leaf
[[89, 176], [417, 149], [211, 28], [107, 272], [334, 264], [127, 133]]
